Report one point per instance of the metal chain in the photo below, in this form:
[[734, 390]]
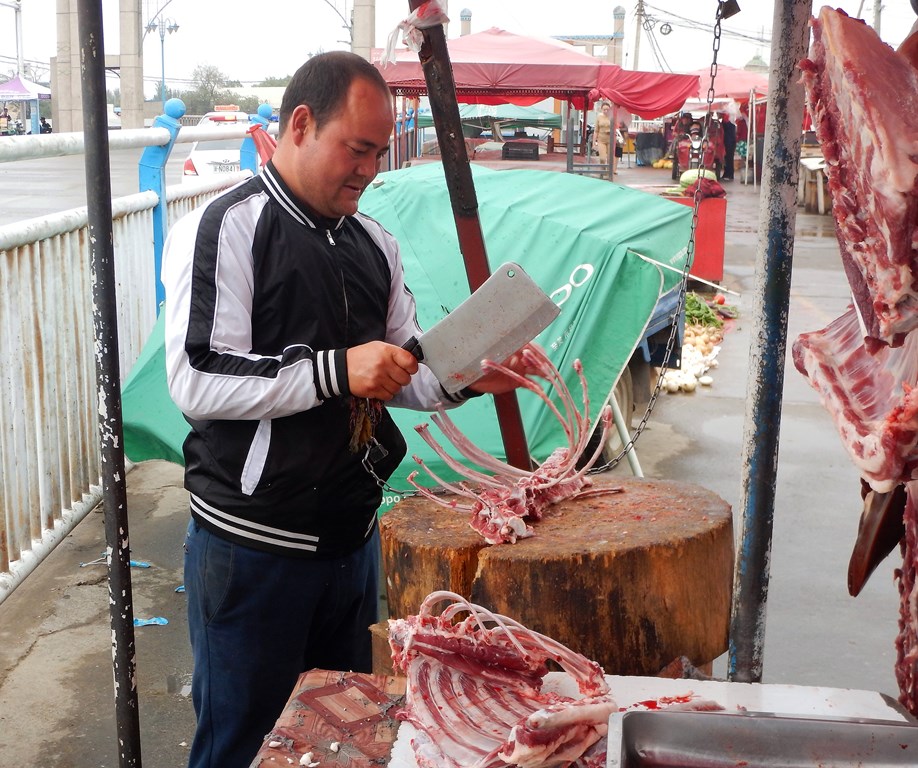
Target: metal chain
[[689, 259], [368, 466]]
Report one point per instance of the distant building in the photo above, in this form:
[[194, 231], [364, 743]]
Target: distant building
[[465, 22], [757, 64], [608, 47]]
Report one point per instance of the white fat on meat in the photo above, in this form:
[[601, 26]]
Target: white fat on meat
[[863, 97]]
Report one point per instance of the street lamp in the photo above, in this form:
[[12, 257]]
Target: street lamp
[[163, 25]]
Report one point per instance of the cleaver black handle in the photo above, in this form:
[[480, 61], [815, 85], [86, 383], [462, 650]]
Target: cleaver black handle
[[414, 347]]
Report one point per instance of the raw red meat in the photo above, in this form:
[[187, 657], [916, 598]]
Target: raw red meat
[[872, 398], [474, 690], [501, 503], [864, 99]]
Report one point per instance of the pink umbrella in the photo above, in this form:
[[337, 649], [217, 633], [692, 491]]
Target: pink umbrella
[[20, 89]]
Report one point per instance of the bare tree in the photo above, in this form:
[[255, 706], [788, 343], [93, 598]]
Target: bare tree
[[208, 81]]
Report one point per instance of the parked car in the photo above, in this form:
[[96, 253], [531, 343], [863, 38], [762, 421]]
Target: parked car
[[218, 156]]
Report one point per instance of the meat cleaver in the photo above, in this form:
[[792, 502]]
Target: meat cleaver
[[505, 313]]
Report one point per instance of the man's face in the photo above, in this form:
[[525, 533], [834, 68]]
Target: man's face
[[336, 162]]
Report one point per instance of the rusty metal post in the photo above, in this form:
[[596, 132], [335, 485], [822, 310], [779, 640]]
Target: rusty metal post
[[774, 256], [444, 108], [111, 429]]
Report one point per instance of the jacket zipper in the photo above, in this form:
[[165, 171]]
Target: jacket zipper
[[328, 234]]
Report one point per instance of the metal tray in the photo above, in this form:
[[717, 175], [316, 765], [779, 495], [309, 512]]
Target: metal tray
[[660, 739]]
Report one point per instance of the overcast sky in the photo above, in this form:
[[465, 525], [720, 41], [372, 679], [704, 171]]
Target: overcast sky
[[273, 39]]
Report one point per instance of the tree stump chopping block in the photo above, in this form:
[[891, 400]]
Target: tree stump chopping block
[[632, 579]]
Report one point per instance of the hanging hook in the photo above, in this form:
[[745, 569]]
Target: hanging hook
[[728, 8]]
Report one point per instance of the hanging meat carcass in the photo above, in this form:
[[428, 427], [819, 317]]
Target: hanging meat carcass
[[872, 398], [863, 97], [873, 401], [499, 504]]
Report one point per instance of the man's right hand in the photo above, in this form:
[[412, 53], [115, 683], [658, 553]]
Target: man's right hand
[[379, 370]]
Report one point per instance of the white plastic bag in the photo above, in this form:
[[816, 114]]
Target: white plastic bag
[[424, 16]]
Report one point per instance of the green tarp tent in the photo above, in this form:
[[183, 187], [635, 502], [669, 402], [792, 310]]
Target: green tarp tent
[[577, 237]]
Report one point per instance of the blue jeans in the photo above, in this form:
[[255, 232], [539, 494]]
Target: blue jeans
[[257, 620]]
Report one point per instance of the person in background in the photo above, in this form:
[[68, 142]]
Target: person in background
[[285, 313], [44, 126], [621, 139], [602, 135], [728, 129], [715, 147], [742, 133], [680, 131]]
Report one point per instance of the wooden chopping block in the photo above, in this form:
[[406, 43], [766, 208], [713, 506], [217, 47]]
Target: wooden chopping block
[[631, 580]]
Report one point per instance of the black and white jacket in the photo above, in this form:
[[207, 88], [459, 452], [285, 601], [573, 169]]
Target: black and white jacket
[[263, 300]]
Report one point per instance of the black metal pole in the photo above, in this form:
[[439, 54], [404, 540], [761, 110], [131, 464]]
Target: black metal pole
[[108, 378], [774, 258]]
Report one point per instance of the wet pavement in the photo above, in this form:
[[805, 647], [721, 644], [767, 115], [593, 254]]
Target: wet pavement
[[56, 701]]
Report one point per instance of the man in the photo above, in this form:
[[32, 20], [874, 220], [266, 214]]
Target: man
[[729, 140], [285, 314]]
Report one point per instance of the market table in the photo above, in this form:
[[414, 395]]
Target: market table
[[348, 719]]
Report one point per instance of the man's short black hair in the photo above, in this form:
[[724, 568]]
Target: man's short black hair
[[322, 84]]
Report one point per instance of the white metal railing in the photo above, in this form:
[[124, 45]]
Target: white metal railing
[[50, 464]]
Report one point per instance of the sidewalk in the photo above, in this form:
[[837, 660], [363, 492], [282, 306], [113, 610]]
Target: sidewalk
[[56, 700]]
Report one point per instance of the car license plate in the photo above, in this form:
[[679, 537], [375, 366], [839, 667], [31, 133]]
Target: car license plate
[[226, 167]]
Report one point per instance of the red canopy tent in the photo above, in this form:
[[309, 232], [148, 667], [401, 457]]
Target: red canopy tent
[[731, 83], [645, 94], [499, 67]]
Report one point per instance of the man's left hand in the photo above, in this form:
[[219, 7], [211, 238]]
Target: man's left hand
[[497, 382]]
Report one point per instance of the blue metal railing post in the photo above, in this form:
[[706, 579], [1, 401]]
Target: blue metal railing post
[[248, 153], [152, 172]]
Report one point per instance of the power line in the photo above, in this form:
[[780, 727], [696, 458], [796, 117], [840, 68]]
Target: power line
[[675, 19], [656, 50]]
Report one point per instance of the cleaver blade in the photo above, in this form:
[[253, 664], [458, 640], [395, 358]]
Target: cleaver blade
[[504, 314]]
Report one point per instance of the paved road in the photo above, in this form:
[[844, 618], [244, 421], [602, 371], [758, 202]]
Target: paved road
[[33, 188], [55, 665]]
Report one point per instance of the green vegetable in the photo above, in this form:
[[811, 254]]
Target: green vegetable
[[697, 312], [691, 176]]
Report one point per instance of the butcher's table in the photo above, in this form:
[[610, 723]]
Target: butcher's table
[[347, 719]]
